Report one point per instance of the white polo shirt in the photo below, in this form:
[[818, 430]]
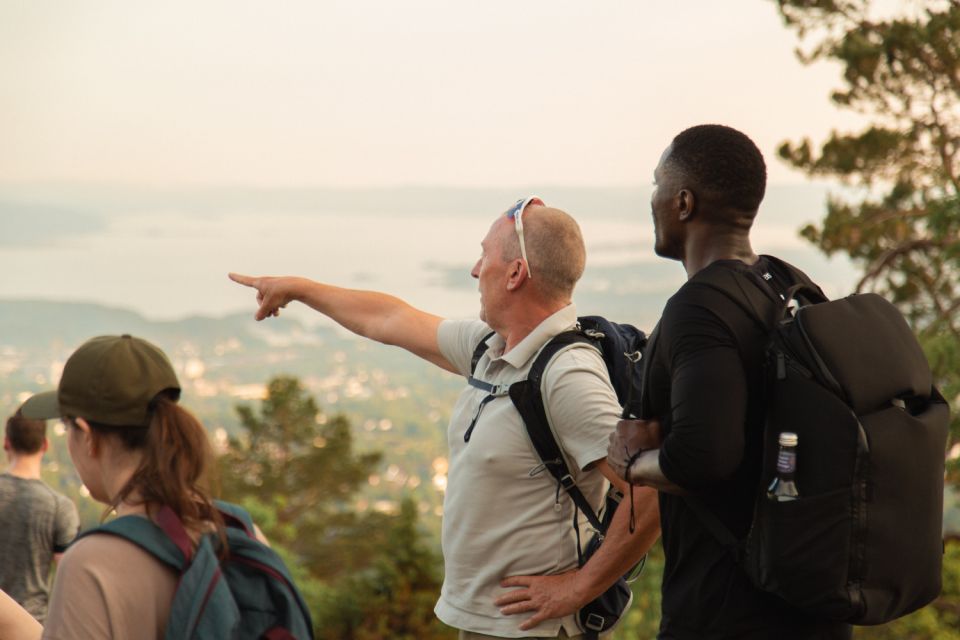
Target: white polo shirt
[[498, 519]]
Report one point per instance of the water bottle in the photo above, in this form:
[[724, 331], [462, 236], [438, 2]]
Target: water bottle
[[784, 486]]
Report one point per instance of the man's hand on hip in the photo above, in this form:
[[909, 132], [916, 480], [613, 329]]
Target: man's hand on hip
[[547, 597]]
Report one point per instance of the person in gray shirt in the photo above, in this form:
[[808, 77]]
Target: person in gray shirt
[[38, 522]]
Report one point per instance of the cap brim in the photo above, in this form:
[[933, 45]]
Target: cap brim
[[43, 406]]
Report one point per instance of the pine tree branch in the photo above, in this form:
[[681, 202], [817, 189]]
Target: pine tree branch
[[879, 265], [946, 155]]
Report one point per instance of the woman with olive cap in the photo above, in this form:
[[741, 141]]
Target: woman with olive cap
[[137, 451]]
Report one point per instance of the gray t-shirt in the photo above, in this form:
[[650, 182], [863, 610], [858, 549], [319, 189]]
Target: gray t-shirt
[[37, 522]]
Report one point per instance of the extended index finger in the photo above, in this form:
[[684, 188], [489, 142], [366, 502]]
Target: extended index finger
[[249, 281]]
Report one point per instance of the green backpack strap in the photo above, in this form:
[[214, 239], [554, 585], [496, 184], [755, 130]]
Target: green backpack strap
[[236, 516], [249, 594], [146, 535], [203, 605]]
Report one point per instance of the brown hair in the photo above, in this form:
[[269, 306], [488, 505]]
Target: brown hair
[[26, 435], [177, 465]]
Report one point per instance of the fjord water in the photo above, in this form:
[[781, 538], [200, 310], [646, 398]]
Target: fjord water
[[166, 253]]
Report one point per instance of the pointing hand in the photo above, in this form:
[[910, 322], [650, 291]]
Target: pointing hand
[[273, 293]]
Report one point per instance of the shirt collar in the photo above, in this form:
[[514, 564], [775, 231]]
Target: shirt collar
[[565, 318]]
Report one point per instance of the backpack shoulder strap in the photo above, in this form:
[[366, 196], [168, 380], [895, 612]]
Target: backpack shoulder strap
[[755, 297], [243, 541], [800, 284], [247, 549], [146, 535], [199, 571], [236, 516], [203, 605], [493, 390], [766, 303], [527, 397], [478, 351], [762, 304]]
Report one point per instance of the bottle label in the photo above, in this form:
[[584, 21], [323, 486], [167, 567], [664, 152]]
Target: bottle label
[[786, 461]]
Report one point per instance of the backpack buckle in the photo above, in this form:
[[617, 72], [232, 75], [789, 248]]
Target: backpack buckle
[[501, 390], [567, 482], [594, 622]]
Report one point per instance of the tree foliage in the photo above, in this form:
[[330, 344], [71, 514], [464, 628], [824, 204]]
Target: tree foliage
[[643, 618], [902, 72], [307, 472], [297, 473], [394, 597]]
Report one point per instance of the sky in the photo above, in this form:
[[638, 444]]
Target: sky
[[359, 93], [119, 118]]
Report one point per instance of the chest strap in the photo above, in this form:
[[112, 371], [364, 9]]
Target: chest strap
[[495, 390]]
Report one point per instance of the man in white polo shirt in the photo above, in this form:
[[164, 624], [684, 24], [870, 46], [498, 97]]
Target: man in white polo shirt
[[509, 546]]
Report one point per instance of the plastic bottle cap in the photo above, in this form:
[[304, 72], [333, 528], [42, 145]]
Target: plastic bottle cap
[[788, 439]]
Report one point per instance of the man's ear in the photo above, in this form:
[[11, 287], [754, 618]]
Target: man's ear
[[517, 274], [686, 204]]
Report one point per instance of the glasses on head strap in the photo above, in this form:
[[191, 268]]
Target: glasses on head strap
[[515, 213]]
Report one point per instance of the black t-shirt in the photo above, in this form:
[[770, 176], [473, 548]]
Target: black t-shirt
[[704, 382]]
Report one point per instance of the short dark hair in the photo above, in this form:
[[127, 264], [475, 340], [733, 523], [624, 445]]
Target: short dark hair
[[26, 435], [722, 161]]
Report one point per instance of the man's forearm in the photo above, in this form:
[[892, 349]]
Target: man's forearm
[[645, 471], [366, 313], [621, 549], [374, 315]]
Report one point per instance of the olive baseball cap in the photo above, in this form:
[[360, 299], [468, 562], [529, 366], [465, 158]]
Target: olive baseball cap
[[110, 380]]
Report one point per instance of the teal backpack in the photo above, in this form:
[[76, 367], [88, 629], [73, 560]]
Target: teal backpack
[[249, 595]]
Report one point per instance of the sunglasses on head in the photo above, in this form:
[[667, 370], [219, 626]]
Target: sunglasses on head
[[515, 213]]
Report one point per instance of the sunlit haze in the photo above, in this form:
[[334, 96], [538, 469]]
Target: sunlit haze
[[149, 148], [377, 92]]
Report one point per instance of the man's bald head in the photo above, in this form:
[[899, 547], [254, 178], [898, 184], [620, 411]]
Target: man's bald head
[[555, 250]]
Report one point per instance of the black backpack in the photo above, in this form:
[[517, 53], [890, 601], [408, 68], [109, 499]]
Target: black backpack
[[248, 595], [863, 543], [621, 346]]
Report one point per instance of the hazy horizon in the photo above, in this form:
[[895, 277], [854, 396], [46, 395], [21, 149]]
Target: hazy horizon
[[150, 148], [165, 253]]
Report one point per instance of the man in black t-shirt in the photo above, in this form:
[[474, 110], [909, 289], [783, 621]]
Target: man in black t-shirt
[[703, 392]]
